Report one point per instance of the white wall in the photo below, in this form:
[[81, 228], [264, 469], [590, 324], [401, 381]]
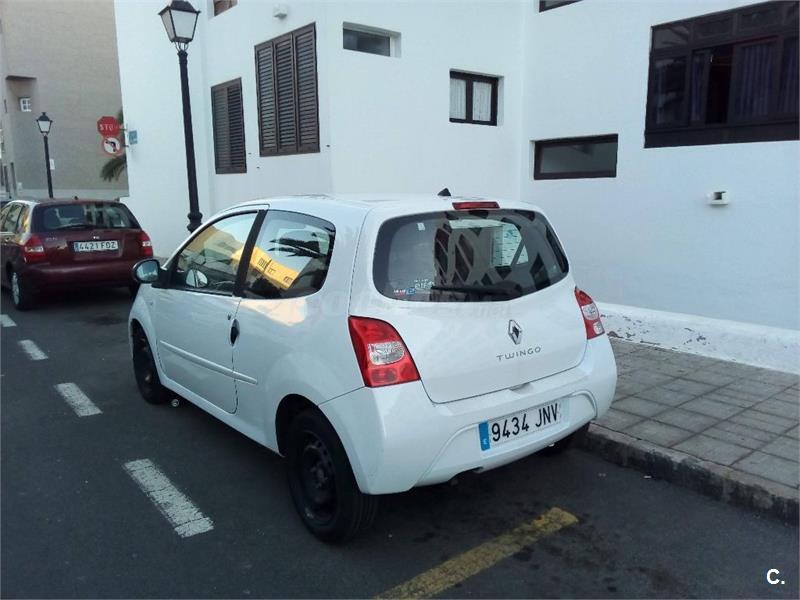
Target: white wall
[[648, 238], [391, 129], [384, 121], [151, 100]]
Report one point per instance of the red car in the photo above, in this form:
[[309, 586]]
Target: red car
[[62, 244]]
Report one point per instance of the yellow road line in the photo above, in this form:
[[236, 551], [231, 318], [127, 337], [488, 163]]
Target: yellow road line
[[480, 558]]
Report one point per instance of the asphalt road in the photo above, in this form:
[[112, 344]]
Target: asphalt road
[[75, 524]]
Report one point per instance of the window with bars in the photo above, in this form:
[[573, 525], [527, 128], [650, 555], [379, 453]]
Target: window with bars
[[228, 125], [723, 78], [288, 104], [473, 98]]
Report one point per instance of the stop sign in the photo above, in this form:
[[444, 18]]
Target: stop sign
[[107, 126]]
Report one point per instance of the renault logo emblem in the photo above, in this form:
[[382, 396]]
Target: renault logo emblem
[[514, 331]]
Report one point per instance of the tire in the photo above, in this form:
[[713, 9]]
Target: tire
[[321, 481], [144, 370], [564, 444], [22, 296]]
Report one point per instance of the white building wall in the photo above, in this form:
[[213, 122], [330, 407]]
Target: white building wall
[[390, 127], [151, 100], [648, 238], [384, 121]]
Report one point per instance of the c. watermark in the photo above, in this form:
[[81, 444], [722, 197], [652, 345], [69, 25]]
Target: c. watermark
[[773, 577]]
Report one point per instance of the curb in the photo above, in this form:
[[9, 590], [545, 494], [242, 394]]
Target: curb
[[708, 478]]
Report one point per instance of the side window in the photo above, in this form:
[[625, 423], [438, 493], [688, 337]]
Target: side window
[[10, 217], [209, 262], [290, 257], [24, 220]]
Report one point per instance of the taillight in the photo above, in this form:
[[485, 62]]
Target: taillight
[[382, 356], [474, 205], [33, 250], [591, 315], [145, 245]]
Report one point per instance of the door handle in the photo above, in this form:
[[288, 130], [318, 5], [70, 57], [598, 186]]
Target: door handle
[[234, 331]]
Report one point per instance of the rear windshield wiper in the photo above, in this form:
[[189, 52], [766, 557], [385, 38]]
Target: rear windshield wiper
[[488, 290]]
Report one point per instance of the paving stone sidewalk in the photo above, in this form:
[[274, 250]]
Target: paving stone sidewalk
[[728, 429]]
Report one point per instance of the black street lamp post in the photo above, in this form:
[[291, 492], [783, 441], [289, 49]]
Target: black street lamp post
[[45, 123], [180, 21]]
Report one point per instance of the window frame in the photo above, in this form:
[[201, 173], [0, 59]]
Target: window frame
[[255, 227], [298, 148], [538, 145], [233, 83], [217, 6], [543, 5], [470, 79], [25, 101], [264, 222], [392, 36], [774, 126]]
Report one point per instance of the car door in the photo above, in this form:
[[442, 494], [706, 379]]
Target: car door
[[194, 311], [293, 309]]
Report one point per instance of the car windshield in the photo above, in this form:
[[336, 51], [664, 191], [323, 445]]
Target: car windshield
[[467, 256], [87, 215]]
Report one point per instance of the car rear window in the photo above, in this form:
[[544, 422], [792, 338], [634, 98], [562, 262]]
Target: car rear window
[[86, 215], [467, 256]]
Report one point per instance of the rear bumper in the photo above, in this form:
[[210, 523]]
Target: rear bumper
[[48, 276], [396, 438]]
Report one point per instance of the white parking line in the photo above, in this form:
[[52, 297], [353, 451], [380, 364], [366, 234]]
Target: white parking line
[[185, 517], [6, 321], [79, 401], [32, 350]]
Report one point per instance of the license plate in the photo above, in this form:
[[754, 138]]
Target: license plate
[[505, 429], [96, 246]]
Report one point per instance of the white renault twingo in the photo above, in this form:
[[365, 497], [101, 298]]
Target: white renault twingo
[[378, 343]]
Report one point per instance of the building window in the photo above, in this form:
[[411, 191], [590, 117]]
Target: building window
[[473, 98], [228, 125], [548, 4], [220, 6], [288, 106], [576, 158], [724, 78], [370, 40], [25, 104]]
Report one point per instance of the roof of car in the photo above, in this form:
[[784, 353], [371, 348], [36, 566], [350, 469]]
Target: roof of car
[[72, 200], [368, 201]]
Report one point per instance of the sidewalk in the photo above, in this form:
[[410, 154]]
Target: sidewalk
[[726, 429]]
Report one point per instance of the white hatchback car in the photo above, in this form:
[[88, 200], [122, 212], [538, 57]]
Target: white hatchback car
[[378, 343]]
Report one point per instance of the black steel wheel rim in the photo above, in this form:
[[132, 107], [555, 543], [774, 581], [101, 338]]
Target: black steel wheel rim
[[317, 477]]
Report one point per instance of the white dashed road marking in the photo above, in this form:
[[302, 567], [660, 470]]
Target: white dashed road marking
[[79, 401], [6, 321], [185, 517], [32, 350]]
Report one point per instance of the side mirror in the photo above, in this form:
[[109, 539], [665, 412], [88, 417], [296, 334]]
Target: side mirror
[[146, 271]]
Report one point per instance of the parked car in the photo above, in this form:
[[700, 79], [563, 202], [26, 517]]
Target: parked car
[[61, 244], [377, 343]]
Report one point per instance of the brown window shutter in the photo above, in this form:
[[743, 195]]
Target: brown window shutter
[[307, 109], [228, 127], [287, 108], [286, 77], [219, 109], [267, 113], [238, 158]]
